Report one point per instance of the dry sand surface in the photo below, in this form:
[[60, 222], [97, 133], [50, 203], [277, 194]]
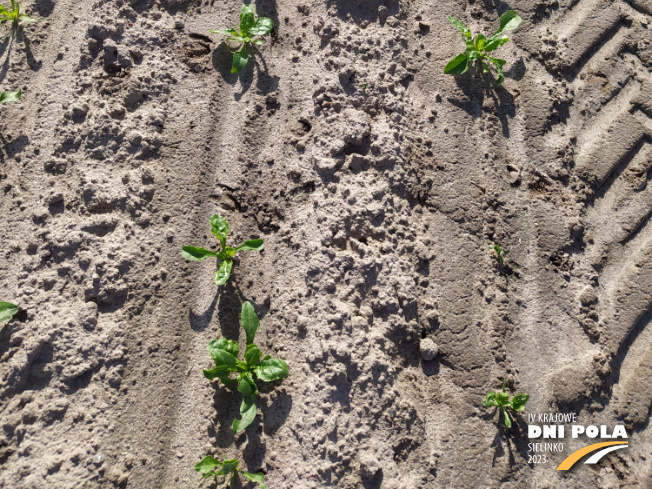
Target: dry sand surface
[[379, 185]]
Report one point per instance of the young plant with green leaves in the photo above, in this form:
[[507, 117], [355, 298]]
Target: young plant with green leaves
[[501, 400], [10, 96], [7, 311], [500, 254], [249, 29], [225, 354], [477, 49], [220, 229], [210, 467], [13, 14]]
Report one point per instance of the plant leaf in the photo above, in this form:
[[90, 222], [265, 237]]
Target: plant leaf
[[458, 65], [262, 27], [207, 465], [237, 39], [494, 43], [473, 53], [508, 22], [223, 358], [479, 42], [502, 398], [221, 372], [192, 253], [258, 41], [270, 369], [501, 78], [490, 400], [259, 477], [519, 400], [240, 59], [7, 311], [219, 228], [230, 466], [249, 321], [460, 27], [24, 18], [252, 244], [246, 385], [485, 67], [10, 96], [508, 422], [223, 272], [247, 20], [223, 344], [252, 355], [247, 412]]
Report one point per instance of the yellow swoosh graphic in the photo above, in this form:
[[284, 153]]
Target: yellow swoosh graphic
[[575, 456]]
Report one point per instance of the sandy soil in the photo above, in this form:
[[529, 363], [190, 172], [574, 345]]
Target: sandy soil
[[378, 207]]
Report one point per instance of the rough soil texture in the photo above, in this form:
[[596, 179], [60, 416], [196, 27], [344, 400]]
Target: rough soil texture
[[378, 207]]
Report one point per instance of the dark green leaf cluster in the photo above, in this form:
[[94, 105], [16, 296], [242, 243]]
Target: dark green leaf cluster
[[249, 28], [220, 229], [477, 49], [10, 96], [225, 355], [501, 400], [211, 467], [13, 15], [7, 311], [500, 254]]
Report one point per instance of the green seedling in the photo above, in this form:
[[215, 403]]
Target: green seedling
[[477, 49], [249, 28], [14, 14], [10, 96], [225, 355], [220, 229], [7, 311], [501, 400], [210, 467], [500, 254]]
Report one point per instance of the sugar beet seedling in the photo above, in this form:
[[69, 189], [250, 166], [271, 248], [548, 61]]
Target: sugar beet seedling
[[500, 254], [220, 229], [477, 49], [249, 28], [225, 354], [211, 467], [501, 400], [13, 15]]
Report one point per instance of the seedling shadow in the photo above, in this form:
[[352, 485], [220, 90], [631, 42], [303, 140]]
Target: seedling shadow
[[199, 322], [276, 413], [476, 86], [227, 408], [21, 37], [223, 59], [17, 34], [5, 47], [513, 438], [265, 82]]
